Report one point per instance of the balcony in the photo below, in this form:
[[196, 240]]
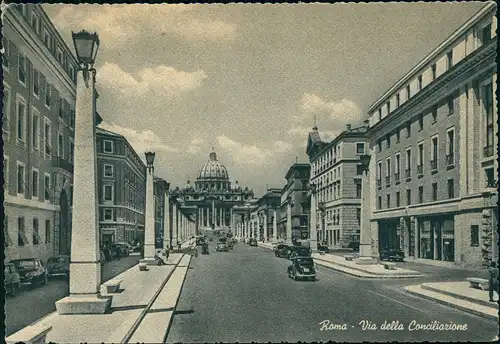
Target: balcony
[[66, 165], [433, 166], [408, 174], [397, 177], [379, 184], [387, 181], [420, 171], [450, 161], [488, 151]]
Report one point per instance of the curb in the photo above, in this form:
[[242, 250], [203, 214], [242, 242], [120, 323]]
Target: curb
[[167, 331], [452, 305], [341, 269], [138, 321], [456, 296]]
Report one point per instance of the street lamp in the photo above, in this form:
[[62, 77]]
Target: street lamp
[[150, 158], [313, 232], [85, 267], [86, 46]]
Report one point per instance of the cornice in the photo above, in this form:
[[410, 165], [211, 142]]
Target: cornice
[[473, 65]]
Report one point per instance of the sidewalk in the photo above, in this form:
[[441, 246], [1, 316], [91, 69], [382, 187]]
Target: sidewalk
[[138, 290], [459, 295]]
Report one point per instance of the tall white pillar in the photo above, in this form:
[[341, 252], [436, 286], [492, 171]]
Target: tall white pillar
[[247, 231], [289, 223], [275, 226], [365, 248], [213, 214], [258, 226], [313, 231], [166, 223], [149, 222], [175, 227], [85, 266], [265, 225]]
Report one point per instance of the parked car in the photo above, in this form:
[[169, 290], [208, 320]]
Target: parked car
[[298, 251], [127, 248], [392, 254], [31, 271], [12, 281], [252, 242], [58, 266], [281, 250], [222, 247], [323, 248], [302, 268]]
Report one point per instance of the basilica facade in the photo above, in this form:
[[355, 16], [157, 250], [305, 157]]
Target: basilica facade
[[212, 196]]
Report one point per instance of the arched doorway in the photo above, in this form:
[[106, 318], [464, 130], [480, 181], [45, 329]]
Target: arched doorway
[[64, 235]]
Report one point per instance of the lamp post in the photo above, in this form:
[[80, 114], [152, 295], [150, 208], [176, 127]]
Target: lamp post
[[173, 242], [313, 232], [166, 219], [265, 223], [85, 267], [365, 247], [149, 220], [289, 221]]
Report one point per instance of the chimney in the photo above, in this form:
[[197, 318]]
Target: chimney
[[367, 123], [348, 127]]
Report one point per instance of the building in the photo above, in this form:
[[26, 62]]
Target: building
[[336, 171], [296, 189], [213, 195], [39, 82], [263, 213], [121, 189], [433, 170], [244, 218]]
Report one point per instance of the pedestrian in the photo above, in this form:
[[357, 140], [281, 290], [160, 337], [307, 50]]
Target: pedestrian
[[107, 256], [179, 245], [493, 270], [117, 252]]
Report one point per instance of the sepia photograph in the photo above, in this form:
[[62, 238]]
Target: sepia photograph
[[250, 173]]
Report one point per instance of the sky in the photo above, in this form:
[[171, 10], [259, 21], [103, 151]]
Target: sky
[[249, 79]]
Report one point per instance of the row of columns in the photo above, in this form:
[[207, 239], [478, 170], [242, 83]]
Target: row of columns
[[213, 216], [248, 228]]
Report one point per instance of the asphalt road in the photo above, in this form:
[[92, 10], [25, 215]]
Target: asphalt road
[[34, 303], [245, 295]]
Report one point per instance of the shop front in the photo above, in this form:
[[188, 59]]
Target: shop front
[[389, 235], [436, 238]]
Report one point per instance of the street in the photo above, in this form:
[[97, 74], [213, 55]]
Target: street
[[245, 295], [32, 304]]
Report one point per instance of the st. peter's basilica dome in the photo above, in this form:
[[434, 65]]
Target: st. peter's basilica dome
[[213, 170]]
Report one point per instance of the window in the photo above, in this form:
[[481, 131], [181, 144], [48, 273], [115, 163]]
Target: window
[[397, 135], [451, 106], [108, 214], [388, 107], [71, 118], [451, 188], [449, 60], [6, 110], [434, 191], [47, 186], [379, 170], [21, 120], [36, 83], [397, 100], [359, 170], [71, 151], [388, 140], [35, 22], [108, 146], [36, 234], [22, 68], [474, 235], [108, 170], [434, 114], [108, 192], [60, 146], [490, 178], [408, 93], [21, 235], [47, 138], [61, 108], [420, 122], [46, 38], [358, 215], [408, 162], [6, 54], [398, 199], [21, 178], [6, 172], [408, 129], [358, 190], [489, 113], [420, 82], [47, 231], [433, 68], [435, 153], [379, 202], [420, 194], [35, 133], [379, 145], [48, 91], [408, 196], [360, 148], [388, 201], [420, 169], [486, 34], [450, 149], [379, 114], [59, 55], [34, 183], [388, 167]]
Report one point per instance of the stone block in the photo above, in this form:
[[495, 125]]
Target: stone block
[[366, 261], [112, 286], [349, 258], [390, 266], [148, 261], [92, 304], [35, 334], [143, 267]]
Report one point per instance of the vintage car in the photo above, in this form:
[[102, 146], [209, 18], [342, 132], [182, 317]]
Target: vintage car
[[281, 250], [12, 281], [252, 242], [392, 254], [302, 268], [222, 247], [323, 248], [298, 251], [58, 266], [31, 271]]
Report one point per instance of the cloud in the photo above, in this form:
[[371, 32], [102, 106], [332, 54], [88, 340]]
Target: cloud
[[195, 146], [161, 79], [344, 110], [126, 24], [251, 154], [142, 141]]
